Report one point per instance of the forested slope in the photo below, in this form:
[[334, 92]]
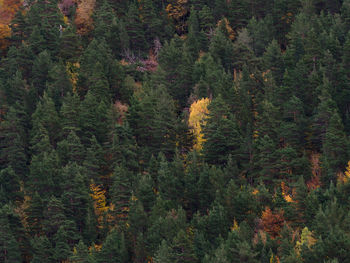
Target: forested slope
[[175, 131]]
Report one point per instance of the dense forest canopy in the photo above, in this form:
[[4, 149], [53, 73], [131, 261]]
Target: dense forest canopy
[[175, 131]]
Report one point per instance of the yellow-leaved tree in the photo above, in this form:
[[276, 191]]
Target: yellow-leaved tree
[[98, 195], [198, 114], [177, 10], [306, 239], [8, 9], [83, 19], [347, 172]]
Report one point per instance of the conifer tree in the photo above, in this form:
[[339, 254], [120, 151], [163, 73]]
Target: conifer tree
[[134, 29], [71, 150], [221, 133], [114, 249], [121, 193], [9, 250], [13, 141], [10, 186], [69, 113], [42, 250]]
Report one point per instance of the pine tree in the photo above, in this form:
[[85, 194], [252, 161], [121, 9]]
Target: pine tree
[[40, 74], [183, 249], [121, 193], [92, 119], [152, 120], [94, 160], [122, 147], [10, 186], [43, 176], [46, 116], [113, 249], [221, 134], [13, 141], [71, 149], [69, 113], [134, 29], [54, 216], [48, 18], [34, 214], [42, 250], [323, 113], [273, 61], [80, 253], [9, 250], [163, 254], [152, 23], [175, 70], [58, 83], [97, 51], [62, 251], [70, 46], [75, 197], [221, 49], [335, 146]]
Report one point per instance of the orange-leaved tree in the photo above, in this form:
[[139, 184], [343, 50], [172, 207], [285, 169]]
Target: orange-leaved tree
[[272, 222], [83, 19], [8, 9]]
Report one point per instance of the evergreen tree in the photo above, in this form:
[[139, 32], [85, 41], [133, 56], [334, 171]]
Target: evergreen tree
[[9, 250], [10, 186], [114, 249], [42, 250], [221, 134], [80, 254], [121, 193], [13, 141], [152, 120], [71, 149], [75, 196], [58, 83], [134, 29], [69, 113], [335, 147], [40, 75]]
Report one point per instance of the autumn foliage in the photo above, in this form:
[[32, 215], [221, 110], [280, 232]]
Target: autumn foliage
[[8, 9], [83, 18], [272, 221], [198, 113]]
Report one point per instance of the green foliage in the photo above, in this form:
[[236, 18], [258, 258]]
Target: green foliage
[[98, 162]]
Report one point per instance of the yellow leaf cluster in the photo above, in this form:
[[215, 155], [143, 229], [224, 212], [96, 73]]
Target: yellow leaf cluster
[[72, 71], [306, 238], [98, 195], [83, 19], [235, 226], [5, 32], [285, 195], [198, 113], [347, 172], [8, 9], [230, 31], [177, 9]]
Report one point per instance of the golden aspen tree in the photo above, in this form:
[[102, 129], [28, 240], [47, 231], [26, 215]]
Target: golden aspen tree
[[306, 238], [347, 172], [98, 195], [83, 19], [198, 113], [177, 10]]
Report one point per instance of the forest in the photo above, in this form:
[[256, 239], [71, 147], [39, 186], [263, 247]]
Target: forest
[[175, 131]]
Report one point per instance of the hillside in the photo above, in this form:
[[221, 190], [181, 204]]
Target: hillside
[[174, 131]]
